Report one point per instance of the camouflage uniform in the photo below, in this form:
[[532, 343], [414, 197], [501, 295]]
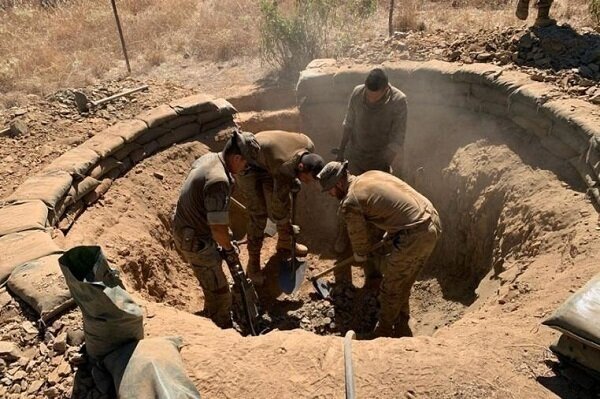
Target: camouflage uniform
[[267, 185], [376, 131], [412, 222], [204, 201]]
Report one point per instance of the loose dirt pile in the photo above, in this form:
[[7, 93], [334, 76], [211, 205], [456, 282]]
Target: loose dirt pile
[[568, 58]]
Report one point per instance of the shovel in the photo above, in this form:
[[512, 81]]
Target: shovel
[[322, 286], [291, 271]]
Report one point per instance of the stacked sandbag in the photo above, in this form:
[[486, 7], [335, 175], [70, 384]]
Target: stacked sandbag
[[577, 318], [566, 128], [114, 333], [41, 285]]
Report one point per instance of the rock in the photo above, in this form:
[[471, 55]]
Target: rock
[[526, 41], [9, 351], [5, 297], [586, 72], [64, 369], [35, 386], [158, 175], [60, 343], [20, 111], [595, 99], [75, 337], [51, 392], [484, 57], [29, 327], [19, 375], [53, 377], [77, 359]]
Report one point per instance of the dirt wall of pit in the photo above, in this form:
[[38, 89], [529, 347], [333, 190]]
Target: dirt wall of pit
[[479, 355], [450, 108]]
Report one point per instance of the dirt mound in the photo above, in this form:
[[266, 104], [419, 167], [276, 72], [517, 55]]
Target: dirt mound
[[558, 54]]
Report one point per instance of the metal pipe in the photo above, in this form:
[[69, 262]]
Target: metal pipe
[[348, 369]]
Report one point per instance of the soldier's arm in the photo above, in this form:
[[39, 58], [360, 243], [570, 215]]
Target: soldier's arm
[[216, 202], [398, 130], [357, 229], [348, 124]]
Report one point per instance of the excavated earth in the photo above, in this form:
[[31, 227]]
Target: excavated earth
[[519, 238]]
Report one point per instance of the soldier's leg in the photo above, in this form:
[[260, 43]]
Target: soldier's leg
[[251, 184], [522, 10], [280, 207], [206, 263], [543, 14], [409, 254]]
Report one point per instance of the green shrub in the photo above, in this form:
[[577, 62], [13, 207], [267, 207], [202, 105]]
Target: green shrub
[[291, 38], [595, 11]]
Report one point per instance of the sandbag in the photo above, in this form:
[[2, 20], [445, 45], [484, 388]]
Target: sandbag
[[193, 104], [152, 135], [104, 166], [578, 315], [150, 368], [81, 188], [21, 216], [76, 161], [572, 350], [99, 191], [126, 150], [104, 144], [49, 188], [179, 134], [129, 130], [144, 152], [157, 116], [70, 215], [41, 285], [19, 248], [180, 121], [111, 318]]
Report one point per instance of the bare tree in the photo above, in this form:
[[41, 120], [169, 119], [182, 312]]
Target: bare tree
[[391, 19]]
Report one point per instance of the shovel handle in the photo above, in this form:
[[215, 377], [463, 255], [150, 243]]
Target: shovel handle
[[346, 262]]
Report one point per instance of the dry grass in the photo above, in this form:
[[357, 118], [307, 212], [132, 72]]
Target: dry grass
[[75, 42]]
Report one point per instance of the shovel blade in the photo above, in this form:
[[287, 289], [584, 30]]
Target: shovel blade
[[322, 287], [291, 274], [271, 228]]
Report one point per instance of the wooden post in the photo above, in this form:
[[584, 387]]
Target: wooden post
[[391, 19], [114, 6]]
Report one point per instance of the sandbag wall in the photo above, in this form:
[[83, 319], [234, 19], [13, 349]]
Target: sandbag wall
[[568, 128], [62, 190]]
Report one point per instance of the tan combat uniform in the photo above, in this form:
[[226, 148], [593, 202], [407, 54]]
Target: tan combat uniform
[[412, 222], [266, 185], [376, 130], [204, 201]]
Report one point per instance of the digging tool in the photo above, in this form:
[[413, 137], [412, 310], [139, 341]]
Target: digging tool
[[247, 292], [84, 104], [322, 286], [270, 229], [291, 271]]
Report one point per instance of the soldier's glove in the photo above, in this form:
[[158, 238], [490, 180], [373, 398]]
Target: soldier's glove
[[295, 229], [360, 258], [230, 256], [295, 186]]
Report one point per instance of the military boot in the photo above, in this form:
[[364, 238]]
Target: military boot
[[217, 306], [402, 327], [522, 9], [543, 19], [284, 241]]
